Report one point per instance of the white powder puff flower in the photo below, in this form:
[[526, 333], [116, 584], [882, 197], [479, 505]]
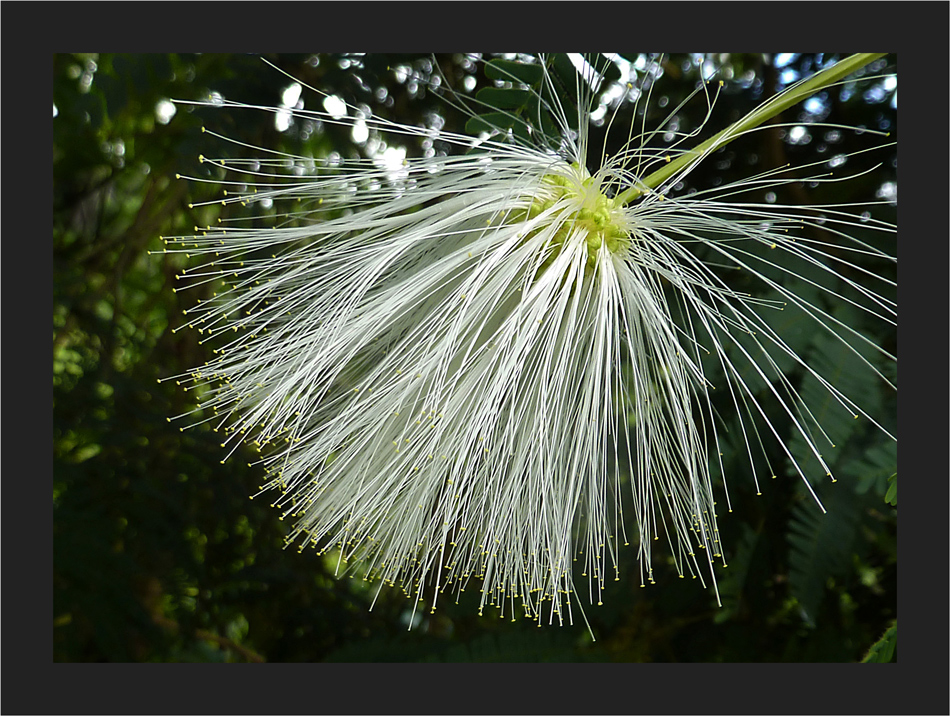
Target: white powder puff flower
[[481, 369]]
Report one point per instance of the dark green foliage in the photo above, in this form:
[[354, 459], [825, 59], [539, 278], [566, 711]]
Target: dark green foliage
[[514, 646], [821, 545], [159, 555]]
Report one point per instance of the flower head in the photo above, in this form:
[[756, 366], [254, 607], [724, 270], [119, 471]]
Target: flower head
[[484, 368]]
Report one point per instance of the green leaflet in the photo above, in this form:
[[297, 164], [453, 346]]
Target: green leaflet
[[891, 496], [490, 122], [513, 71], [874, 469], [503, 98], [504, 108], [883, 650]]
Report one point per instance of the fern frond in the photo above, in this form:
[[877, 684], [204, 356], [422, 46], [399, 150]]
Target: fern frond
[[821, 545]]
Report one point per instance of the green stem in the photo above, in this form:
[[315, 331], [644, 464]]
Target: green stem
[[791, 96]]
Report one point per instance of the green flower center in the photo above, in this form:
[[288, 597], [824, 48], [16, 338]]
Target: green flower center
[[578, 204]]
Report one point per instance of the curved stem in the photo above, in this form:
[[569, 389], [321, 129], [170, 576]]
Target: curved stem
[[791, 96]]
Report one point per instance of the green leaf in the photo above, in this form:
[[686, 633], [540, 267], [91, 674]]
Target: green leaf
[[511, 71], [520, 129], [497, 98], [882, 651], [891, 496], [563, 69], [491, 122]]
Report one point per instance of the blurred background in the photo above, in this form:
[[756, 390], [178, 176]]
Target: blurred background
[[159, 555]]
